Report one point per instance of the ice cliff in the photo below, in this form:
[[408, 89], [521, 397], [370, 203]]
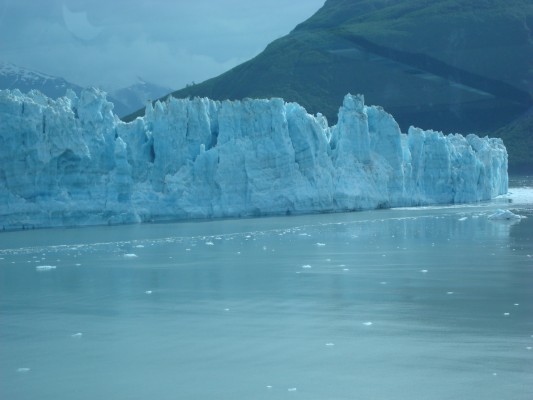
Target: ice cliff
[[71, 161]]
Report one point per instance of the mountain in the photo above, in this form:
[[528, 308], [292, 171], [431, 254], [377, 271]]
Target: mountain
[[449, 65], [518, 138], [138, 94], [125, 100], [15, 77]]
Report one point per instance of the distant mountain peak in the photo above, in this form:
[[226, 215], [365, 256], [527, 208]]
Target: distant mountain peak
[[136, 95], [25, 79], [125, 100], [140, 81]]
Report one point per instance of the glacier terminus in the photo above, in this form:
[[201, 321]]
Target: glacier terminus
[[72, 161]]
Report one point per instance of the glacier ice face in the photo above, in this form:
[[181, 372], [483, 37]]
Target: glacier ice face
[[71, 161]]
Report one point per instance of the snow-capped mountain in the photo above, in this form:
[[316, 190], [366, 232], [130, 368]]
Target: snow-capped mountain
[[15, 77], [125, 100], [136, 95]]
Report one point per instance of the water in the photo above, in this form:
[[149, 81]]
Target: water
[[430, 303]]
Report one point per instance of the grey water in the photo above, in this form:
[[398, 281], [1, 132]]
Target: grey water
[[418, 303]]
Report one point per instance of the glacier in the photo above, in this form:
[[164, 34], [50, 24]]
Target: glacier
[[72, 161]]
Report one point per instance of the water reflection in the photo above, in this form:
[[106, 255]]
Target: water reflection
[[336, 306]]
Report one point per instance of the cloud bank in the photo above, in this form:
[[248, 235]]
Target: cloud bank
[[171, 43]]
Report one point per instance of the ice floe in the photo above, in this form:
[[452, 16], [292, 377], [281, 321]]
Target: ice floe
[[45, 267]]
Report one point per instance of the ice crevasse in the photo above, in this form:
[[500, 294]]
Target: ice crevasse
[[71, 161]]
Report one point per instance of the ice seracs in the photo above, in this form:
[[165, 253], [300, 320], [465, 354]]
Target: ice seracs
[[71, 161]]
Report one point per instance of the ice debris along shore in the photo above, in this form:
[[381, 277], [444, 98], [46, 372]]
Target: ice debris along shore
[[71, 161]]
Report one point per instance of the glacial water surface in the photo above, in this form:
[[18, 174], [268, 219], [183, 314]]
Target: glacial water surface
[[419, 303]]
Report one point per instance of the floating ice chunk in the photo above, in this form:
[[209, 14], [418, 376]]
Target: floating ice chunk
[[23, 369], [330, 344], [505, 215], [77, 335], [463, 219], [148, 292], [45, 267], [139, 246], [306, 266], [291, 389], [368, 323], [269, 386], [449, 292], [424, 271], [383, 283], [320, 244], [209, 243], [77, 264], [506, 314], [130, 255], [226, 309], [516, 304], [529, 348]]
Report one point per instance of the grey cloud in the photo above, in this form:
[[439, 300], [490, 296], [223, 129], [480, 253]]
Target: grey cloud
[[168, 42]]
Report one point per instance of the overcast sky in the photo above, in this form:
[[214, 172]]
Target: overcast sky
[[109, 43]]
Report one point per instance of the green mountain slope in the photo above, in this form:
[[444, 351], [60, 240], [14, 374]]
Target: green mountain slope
[[518, 138], [449, 65]]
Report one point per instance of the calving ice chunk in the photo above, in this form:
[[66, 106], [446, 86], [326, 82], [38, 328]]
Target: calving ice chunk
[[71, 161]]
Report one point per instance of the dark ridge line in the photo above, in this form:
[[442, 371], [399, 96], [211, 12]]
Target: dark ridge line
[[419, 61], [429, 64]]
